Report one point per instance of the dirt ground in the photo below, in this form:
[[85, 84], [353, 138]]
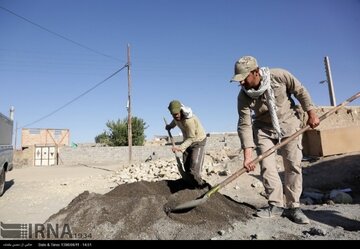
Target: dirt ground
[[91, 200]]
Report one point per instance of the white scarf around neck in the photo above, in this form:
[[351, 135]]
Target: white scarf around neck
[[187, 112], [265, 88]]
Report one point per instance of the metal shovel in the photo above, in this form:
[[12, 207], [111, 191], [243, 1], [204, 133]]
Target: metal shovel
[[182, 172], [191, 204]]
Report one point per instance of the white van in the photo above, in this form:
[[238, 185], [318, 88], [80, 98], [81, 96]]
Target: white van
[[6, 148]]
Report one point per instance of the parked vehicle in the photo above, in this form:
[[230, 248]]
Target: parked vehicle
[[6, 148]]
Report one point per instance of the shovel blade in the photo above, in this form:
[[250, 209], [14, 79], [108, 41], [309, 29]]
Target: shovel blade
[[190, 204], [194, 203]]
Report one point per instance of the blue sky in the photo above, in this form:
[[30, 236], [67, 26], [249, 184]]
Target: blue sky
[[182, 50]]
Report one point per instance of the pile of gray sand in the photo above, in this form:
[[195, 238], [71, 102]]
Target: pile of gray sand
[[137, 211]]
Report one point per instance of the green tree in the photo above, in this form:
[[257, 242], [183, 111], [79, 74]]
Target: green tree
[[102, 138], [117, 133]]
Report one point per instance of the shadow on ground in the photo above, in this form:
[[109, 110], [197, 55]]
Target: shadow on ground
[[334, 219], [8, 185], [338, 173]]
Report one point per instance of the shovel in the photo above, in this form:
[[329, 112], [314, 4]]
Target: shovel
[[182, 172], [191, 204]]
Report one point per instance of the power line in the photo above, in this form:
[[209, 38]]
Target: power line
[[58, 35], [76, 98]]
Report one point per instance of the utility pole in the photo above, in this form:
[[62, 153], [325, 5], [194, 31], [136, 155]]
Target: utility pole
[[129, 105], [329, 80]]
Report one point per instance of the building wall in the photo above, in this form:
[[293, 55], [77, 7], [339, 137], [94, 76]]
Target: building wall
[[24, 158], [99, 155], [347, 116], [336, 134], [39, 136], [93, 154]]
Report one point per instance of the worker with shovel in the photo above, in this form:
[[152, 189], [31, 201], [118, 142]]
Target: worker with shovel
[[193, 145], [266, 116]]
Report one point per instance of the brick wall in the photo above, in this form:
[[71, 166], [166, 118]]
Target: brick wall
[[38, 136]]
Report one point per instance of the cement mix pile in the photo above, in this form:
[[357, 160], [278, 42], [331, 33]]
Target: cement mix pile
[[137, 211]]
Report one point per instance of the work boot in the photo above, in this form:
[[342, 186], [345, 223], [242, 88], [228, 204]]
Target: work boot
[[195, 185], [297, 216], [204, 185], [270, 212]]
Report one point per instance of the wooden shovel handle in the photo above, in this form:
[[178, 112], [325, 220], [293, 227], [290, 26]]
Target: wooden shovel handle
[[171, 137]]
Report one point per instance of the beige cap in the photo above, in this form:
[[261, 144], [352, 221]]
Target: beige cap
[[243, 67]]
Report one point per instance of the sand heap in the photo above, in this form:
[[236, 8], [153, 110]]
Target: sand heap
[[136, 211]]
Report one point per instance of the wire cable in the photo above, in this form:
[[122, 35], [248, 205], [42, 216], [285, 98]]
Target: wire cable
[[58, 35], [74, 99]]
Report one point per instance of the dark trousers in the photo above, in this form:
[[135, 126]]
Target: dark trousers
[[193, 159]]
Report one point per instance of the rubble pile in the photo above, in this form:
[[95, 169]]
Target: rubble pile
[[215, 162]]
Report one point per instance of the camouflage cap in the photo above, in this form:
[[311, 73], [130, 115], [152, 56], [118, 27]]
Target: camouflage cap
[[243, 67]]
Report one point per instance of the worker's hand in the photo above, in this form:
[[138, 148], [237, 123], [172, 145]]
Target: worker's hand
[[247, 160], [313, 120], [248, 165], [175, 149]]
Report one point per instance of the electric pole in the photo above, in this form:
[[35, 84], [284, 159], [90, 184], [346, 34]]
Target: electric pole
[[329, 80], [129, 105]]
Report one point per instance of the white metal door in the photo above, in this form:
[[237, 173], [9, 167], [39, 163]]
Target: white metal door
[[52, 156], [37, 156], [45, 155]]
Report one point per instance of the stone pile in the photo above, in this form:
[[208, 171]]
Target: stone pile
[[167, 169]]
